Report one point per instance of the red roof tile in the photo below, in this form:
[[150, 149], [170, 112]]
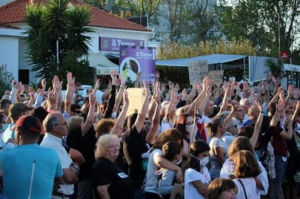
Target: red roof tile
[[15, 12]]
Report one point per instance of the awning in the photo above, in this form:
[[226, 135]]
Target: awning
[[211, 59], [102, 64]]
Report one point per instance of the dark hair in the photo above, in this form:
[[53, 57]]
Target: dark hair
[[246, 131], [131, 120], [167, 136], [272, 108], [1, 117], [4, 103], [40, 113], [217, 186], [197, 147], [239, 143], [213, 126], [103, 127], [170, 150], [246, 165], [180, 125]]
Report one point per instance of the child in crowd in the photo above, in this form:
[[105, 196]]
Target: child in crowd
[[172, 152], [222, 188]]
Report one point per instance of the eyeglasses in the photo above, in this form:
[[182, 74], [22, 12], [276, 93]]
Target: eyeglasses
[[113, 146], [235, 126], [80, 89]]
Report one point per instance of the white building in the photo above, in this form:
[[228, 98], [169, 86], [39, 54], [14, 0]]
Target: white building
[[107, 27]]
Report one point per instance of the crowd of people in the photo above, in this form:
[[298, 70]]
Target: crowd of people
[[233, 141]]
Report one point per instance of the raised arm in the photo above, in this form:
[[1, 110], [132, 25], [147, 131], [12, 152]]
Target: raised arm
[[139, 123], [57, 85], [151, 135], [296, 112], [118, 127], [112, 97], [120, 93], [70, 91], [258, 124], [85, 127]]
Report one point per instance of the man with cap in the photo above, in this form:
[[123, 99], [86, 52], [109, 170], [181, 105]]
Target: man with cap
[[15, 111], [32, 167], [56, 128]]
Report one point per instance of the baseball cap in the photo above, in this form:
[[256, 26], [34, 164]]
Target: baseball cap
[[17, 108], [29, 123]]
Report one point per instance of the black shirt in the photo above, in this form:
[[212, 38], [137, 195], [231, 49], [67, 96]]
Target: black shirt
[[86, 146], [134, 146], [106, 172]]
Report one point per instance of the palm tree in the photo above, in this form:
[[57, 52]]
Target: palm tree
[[56, 28], [275, 67]]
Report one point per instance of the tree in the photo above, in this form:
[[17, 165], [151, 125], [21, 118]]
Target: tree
[[56, 28], [173, 50], [5, 79], [270, 25]]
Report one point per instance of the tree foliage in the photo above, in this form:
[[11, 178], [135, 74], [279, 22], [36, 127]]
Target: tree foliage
[[264, 23], [173, 50], [56, 22], [5, 79]]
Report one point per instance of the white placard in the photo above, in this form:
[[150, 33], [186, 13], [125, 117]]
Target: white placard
[[197, 69]]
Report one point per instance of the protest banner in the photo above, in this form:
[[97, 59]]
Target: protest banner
[[136, 97], [197, 69]]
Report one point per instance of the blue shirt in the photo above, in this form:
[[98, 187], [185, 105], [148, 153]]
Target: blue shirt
[[17, 166]]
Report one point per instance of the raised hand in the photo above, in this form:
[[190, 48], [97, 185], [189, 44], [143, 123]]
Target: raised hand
[[146, 88], [291, 89], [44, 83], [259, 105], [121, 78], [125, 97], [92, 99]]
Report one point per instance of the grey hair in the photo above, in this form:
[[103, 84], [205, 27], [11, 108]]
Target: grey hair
[[243, 101], [49, 121]]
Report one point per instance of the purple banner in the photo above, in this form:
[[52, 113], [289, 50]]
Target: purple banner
[[113, 44], [137, 59]]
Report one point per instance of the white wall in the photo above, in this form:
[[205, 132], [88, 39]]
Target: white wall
[[9, 54]]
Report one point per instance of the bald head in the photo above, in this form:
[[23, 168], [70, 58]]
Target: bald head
[[51, 119], [253, 112]]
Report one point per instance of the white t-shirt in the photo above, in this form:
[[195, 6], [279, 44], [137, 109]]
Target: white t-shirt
[[227, 169], [151, 179], [205, 120], [191, 175], [250, 186]]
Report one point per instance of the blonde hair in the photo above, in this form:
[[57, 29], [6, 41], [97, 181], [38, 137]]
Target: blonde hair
[[74, 122], [102, 144]]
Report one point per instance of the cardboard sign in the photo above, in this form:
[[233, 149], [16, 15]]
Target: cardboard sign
[[136, 97], [216, 76], [197, 69]]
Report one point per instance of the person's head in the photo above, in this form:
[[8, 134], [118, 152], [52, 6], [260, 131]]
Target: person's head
[[253, 112], [172, 151], [17, 109], [245, 164], [4, 105], [170, 135], [74, 122], [199, 155], [108, 146], [239, 113], [289, 110], [221, 188], [78, 100], [103, 107], [40, 113], [246, 104], [172, 110], [232, 128], [239, 143], [246, 131], [22, 97], [75, 110], [56, 124], [104, 126], [209, 108], [27, 130], [184, 124], [216, 127]]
